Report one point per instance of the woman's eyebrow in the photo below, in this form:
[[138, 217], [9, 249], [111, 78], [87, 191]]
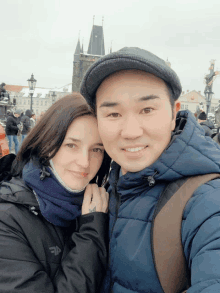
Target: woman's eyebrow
[[74, 139], [78, 140]]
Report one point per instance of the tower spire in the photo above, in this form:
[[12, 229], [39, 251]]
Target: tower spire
[[96, 43], [78, 49], [82, 46]]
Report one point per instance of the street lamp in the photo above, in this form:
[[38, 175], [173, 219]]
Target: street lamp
[[32, 83], [53, 97]]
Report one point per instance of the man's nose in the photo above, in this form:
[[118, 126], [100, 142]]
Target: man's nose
[[131, 128]]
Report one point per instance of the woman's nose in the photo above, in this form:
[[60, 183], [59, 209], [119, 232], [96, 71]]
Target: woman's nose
[[83, 159]]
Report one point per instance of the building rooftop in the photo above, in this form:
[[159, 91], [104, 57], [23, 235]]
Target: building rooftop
[[39, 91]]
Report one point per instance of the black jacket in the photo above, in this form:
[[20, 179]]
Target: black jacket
[[26, 122], [38, 257], [11, 125], [208, 126]]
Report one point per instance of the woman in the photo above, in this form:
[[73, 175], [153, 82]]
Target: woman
[[33, 120], [53, 231]]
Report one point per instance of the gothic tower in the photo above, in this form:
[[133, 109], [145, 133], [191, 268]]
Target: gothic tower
[[82, 61]]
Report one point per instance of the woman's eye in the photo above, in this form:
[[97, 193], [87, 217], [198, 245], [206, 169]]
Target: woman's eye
[[97, 150], [147, 110], [71, 146], [114, 115]]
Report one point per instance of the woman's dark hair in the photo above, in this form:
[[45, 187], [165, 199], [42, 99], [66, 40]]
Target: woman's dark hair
[[47, 136]]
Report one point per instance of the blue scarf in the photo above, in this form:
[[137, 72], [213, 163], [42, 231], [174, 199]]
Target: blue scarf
[[58, 205]]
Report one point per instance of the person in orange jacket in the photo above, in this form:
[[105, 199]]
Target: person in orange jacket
[[4, 150]]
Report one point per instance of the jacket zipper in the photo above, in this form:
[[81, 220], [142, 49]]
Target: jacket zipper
[[151, 182], [118, 198]]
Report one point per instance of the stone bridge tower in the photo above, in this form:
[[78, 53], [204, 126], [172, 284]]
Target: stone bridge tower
[[82, 61]]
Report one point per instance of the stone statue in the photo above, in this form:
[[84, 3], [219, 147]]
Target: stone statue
[[209, 78]]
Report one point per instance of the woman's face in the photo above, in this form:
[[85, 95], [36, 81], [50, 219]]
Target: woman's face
[[81, 153]]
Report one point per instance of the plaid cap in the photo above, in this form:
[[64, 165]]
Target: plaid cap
[[125, 59]]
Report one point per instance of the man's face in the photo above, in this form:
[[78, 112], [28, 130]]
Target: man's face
[[134, 118]]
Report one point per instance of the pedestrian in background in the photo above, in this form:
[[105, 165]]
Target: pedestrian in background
[[12, 128], [33, 120], [26, 122], [207, 125]]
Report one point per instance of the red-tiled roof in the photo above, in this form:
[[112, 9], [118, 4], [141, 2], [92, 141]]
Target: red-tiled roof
[[14, 88]]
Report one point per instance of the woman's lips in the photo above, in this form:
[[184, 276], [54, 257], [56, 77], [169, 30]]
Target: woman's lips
[[79, 174], [84, 174]]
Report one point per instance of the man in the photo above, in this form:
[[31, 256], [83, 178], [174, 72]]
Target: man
[[207, 125], [135, 95], [12, 128], [26, 122]]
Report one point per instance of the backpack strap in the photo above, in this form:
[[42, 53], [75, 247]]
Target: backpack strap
[[167, 249]]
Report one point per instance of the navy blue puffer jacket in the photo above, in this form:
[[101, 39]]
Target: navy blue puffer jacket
[[132, 204]]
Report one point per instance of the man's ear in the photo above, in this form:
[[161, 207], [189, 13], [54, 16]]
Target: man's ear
[[176, 109]]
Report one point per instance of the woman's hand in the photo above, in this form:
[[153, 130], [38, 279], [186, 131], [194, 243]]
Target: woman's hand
[[95, 199]]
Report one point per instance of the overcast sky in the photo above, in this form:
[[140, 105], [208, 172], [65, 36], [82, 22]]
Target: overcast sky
[[40, 36]]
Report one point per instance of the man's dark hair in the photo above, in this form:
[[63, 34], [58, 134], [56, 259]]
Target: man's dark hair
[[171, 97], [46, 138]]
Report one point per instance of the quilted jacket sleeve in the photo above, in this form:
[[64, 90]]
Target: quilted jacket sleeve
[[201, 238], [81, 270]]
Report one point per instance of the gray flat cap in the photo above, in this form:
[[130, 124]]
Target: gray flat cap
[[125, 59]]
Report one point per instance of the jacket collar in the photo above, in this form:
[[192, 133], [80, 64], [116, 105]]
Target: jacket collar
[[16, 191]]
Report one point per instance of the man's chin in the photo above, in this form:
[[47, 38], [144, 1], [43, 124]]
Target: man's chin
[[133, 169]]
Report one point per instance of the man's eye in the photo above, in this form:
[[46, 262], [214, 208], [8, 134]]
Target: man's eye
[[147, 110], [97, 150], [115, 115]]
